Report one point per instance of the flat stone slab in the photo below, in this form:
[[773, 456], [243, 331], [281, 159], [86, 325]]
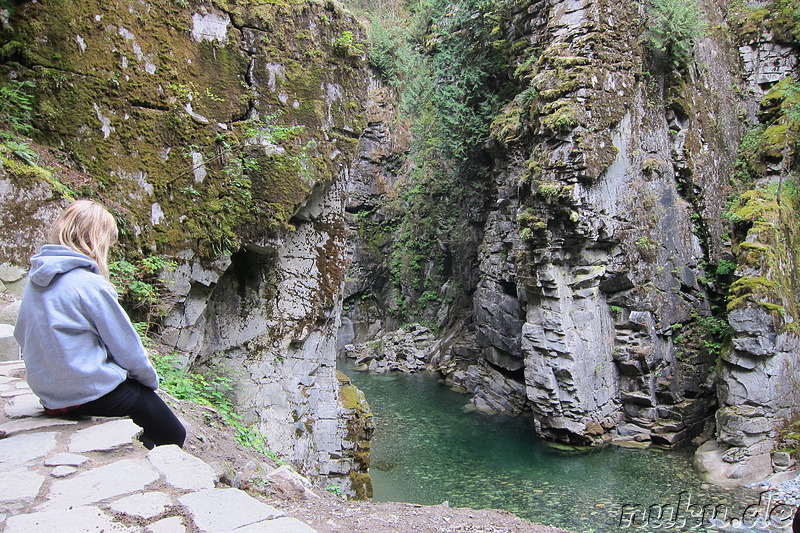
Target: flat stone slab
[[77, 519], [115, 479], [13, 392], [19, 488], [65, 459], [19, 449], [63, 471], [104, 437], [182, 470], [218, 510], [278, 525], [11, 368], [173, 524], [145, 505], [24, 405], [29, 424]]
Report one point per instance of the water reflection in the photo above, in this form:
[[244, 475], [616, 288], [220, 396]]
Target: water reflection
[[427, 450]]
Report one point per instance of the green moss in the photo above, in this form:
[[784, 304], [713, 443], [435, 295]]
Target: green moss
[[350, 396], [562, 118], [361, 483], [780, 17], [561, 107], [129, 89], [768, 253], [22, 174], [507, 126]]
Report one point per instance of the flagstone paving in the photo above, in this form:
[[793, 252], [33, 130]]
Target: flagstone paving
[[94, 475]]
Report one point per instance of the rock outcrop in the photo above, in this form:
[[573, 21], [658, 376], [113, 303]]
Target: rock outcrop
[[602, 218], [587, 283], [220, 135], [603, 257]]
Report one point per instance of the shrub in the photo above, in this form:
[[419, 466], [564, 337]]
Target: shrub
[[675, 26], [140, 287], [16, 104]]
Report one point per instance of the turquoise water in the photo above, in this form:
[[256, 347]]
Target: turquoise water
[[427, 450]]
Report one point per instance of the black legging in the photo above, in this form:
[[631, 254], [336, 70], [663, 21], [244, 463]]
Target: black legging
[[144, 407]]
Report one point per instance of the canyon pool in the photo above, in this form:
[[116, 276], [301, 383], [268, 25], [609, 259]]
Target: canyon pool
[[428, 450]]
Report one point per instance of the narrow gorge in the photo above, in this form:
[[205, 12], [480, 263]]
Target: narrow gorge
[[567, 209]]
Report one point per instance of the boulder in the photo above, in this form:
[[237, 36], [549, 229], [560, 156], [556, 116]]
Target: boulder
[[9, 349], [8, 315]]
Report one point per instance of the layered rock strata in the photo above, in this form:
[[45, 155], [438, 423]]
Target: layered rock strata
[[220, 135], [595, 273]]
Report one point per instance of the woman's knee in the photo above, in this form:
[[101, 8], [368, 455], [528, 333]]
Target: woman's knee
[[160, 424]]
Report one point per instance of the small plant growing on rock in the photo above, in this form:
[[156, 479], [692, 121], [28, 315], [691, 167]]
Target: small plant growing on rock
[[347, 46], [16, 105], [674, 27], [140, 286], [335, 489]]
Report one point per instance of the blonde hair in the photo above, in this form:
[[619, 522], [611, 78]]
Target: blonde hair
[[86, 227]]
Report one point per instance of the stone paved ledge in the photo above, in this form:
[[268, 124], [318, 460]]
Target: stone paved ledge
[[93, 475]]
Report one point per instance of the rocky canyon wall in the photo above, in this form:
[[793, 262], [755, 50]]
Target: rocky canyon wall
[[619, 220], [221, 135], [605, 247]]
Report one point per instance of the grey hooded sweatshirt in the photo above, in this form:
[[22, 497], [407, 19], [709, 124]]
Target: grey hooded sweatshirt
[[77, 342]]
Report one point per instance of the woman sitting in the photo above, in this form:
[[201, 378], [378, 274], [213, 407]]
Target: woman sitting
[[82, 355]]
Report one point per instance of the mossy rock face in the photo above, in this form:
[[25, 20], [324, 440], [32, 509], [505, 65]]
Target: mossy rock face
[[577, 93], [778, 17], [179, 111], [767, 273], [359, 427]]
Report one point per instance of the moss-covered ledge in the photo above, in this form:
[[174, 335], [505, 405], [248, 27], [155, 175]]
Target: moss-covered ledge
[[200, 124]]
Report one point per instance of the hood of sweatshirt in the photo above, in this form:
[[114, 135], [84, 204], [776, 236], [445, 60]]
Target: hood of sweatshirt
[[54, 259]]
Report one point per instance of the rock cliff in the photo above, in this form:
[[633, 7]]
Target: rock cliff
[[603, 239], [220, 135], [610, 233]]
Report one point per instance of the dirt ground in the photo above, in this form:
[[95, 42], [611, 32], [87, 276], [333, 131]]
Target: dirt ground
[[209, 439]]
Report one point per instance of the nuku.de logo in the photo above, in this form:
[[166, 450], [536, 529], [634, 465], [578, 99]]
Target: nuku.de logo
[[684, 514]]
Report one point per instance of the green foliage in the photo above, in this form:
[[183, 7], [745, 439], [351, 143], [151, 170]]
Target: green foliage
[[21, 150], [551, 190], [774, 139], [140, 288], [16, 105], [214, 388], [713, 332], [460, 78], [674, 27], [389, 49], [335, 489], [748, 154], [267, 130], [346, 45], [725, 267], [646, 244], [779, 17], [448, 61], [789, 439], [709, 333]]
